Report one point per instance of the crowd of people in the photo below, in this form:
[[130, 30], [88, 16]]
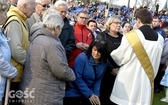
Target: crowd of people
[[51, 55]]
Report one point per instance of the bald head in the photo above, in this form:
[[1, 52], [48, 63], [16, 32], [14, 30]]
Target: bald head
[[26, 6], [20, 2]]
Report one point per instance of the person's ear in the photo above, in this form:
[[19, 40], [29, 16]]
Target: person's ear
[[24, 7], [138, 20]]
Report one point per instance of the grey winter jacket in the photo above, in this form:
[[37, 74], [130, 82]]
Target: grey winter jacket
[[46, 69]]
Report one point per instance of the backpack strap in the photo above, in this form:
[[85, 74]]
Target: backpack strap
[[8, 21]]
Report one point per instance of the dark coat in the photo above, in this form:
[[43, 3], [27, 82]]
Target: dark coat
[[160, 31], [67, 37]]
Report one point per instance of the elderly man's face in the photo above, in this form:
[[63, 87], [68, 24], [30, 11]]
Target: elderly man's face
[[41, 7], [62, 11], [30, 8]]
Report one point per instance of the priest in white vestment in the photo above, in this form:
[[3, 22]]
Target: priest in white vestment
[[132, 85]]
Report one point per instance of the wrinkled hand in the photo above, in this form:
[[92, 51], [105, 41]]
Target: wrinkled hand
[[85, 46], [115, 71], [80, 46], [94, 99]]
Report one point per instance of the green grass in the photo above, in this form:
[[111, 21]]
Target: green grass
[[157, 97]]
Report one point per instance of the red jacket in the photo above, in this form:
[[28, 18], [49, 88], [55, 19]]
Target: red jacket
[[82, 34]]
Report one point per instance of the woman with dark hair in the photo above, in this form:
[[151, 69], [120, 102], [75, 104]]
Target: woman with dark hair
[[126, 27], [89, 68]]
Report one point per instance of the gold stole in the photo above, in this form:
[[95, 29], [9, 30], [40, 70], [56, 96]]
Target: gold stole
[[142, 56]]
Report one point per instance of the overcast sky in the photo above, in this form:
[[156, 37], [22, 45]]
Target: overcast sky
[[132, 2]]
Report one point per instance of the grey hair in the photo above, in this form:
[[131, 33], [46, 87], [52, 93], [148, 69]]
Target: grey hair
[[48, 11], [53, 20], [110, 20], [60, 3]]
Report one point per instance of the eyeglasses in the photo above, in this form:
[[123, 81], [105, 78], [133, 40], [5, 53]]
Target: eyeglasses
[[84, 18], [44, 5], [117, 23], [100, 41]]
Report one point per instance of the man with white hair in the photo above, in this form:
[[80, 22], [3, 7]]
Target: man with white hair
[[41, 6], [67, 35], [16, 30]]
